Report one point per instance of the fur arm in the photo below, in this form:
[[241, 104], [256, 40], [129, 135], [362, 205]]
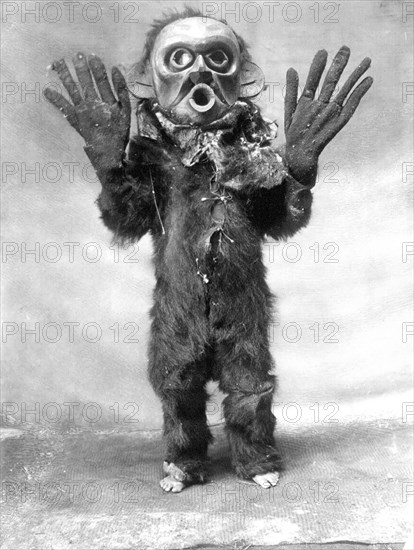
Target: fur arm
[[127, 201], [278, 204], [288, 205], [282, 210]]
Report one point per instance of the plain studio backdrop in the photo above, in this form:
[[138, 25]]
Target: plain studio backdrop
[[341, 338]]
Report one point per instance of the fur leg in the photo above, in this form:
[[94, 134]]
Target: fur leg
[[242, 366], [249, 425], [186, 434], [179, 367], [187, 437]]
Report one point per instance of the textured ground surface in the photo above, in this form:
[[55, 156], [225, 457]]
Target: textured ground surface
[[89, 490]]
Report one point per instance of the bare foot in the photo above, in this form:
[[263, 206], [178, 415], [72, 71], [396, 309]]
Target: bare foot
[[174, 481], [169, 483], [267, 480]]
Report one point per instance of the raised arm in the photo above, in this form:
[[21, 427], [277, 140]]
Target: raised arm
[[281, 204], [102, 117]]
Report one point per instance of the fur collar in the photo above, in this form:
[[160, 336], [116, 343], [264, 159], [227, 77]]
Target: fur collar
[[242, 125]]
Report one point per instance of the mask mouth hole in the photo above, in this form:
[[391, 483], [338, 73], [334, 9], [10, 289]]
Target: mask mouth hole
[[202, 98]]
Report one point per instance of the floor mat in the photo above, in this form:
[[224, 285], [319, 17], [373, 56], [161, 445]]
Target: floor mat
[[88, 490]]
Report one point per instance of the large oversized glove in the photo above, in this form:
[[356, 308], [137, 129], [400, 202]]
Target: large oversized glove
[[96, 114], [310, 124]]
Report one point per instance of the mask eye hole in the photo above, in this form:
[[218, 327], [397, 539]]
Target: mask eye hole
[[181, 58], [218, 61]]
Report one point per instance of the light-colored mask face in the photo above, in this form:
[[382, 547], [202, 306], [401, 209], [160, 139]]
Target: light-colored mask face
[[195, 69]]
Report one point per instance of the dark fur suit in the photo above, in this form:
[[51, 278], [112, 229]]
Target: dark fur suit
[[208, 198]]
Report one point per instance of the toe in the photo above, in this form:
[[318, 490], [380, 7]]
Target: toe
[[178, 487], [267, 480], [273, 479], [170, 484], [165, 486]]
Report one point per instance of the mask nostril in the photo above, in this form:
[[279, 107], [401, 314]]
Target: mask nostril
[[195, 77], [201, 77]]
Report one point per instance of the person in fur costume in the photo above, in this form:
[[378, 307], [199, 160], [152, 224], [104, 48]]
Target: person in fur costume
[[204, 178]]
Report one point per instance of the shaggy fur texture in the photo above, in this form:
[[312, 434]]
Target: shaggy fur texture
[[212, 306]]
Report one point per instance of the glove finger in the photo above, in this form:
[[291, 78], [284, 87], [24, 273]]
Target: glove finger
[[71, 87], [85, 77], [334, 74], [315, 73], [101, 78], [352, 80], [291, 97]]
